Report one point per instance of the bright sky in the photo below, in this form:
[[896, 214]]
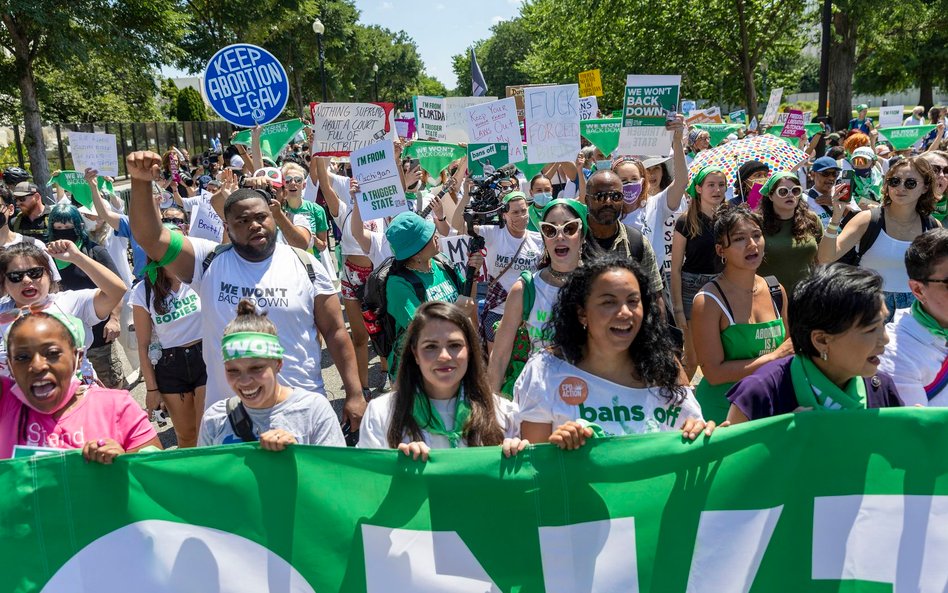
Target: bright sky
[[440, 28]]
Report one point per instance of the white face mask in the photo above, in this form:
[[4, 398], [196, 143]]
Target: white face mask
[[91, 225]]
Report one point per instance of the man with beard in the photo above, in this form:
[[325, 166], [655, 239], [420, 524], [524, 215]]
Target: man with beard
[[291, 286], [31, 220], [604, 199]]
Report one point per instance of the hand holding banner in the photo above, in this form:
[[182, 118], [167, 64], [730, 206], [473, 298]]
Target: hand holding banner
[[648, 100]]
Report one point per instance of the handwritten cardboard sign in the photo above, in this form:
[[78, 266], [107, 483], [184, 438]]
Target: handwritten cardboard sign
[[496, 122], [552, 123], [95, 151], [340, 128]]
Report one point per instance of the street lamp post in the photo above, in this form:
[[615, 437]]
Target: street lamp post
[[319, 29], [375, 70]]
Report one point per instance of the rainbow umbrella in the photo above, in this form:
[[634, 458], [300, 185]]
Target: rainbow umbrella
[[770, 150]]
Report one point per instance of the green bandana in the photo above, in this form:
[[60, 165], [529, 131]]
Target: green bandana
[[73, 326], [698, 179], [62, 265], [251, 345], [434, 157], [774, 180], [808, 379], [273, 137], [428, 418], [928, 322], [174, 248]]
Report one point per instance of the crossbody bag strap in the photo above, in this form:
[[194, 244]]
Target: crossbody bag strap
[[509, 264]]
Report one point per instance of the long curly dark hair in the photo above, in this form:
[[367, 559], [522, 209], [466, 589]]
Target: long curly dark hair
[[652, 350], [804, 222]]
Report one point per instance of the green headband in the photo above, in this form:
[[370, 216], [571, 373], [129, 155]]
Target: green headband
[[578, 208], [174, 248], [251, 345], [73, 325], [774, 180], [698, 179]]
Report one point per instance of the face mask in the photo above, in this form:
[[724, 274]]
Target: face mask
[[603, 165], [631, 192], [863, 172], [64, 234], [74, 384], [90, 225], [543, 198]]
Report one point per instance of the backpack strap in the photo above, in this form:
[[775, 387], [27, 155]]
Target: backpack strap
[[240, 422], [210, 256], [529, 294], [876, 226], [452, 273], [148, 304], [776, 294], [303, 256], [635, 240]]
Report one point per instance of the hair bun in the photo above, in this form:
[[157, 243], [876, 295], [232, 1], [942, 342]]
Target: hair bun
[[246, 307]]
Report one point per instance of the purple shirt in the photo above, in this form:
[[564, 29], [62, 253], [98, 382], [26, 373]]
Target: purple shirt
[[769, 391]]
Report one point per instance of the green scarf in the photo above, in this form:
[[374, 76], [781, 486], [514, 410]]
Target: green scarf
[[928, 322], [61, 264], [808, 379], [428, 418], [176, 241]]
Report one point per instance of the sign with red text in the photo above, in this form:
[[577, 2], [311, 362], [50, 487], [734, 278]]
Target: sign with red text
[[552, 123], [496, 122], [340, 128]]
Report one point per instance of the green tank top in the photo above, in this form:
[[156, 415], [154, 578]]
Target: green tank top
[[741, 341]]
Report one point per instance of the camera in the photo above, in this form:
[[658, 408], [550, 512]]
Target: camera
[[486, 207], [265, 191]]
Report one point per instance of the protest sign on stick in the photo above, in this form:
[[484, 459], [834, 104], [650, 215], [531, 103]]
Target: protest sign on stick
[[496, 122], [588, 108], [890, 117], [552, 123], [773, 104], [246, 85], [590, 83], [94, 151], [484, 159], [340, 128], [380, 187], [794, 126], [456, 116], [648, 100]]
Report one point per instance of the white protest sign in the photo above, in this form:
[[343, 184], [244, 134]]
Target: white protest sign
[[95, 151], [890, 117], [497, 122], [206, 224], [457, 249], [456, 116], [773, 104], [380, 187], [588, 108], [551, 116], [340, 128], [430, 118], [648, 100]]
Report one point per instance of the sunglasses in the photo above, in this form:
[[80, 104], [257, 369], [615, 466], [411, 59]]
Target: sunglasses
[[177, 221], [783, 192], [910, 182], [293, 179], [23, 198], [569, 229], [34, 274], [828, 174], [939, 170], [943, 281], [12, 315], [608, 196]]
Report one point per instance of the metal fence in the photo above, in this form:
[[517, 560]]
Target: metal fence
[[194, 136]]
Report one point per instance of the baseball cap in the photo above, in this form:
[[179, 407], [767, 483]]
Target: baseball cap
[[861, 106], [25, 188], [272, 173], [824, 163]]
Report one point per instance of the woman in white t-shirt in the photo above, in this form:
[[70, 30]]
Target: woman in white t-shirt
[[264, 409], [611, 369], [28, 284], [167, 317], [441, 398]]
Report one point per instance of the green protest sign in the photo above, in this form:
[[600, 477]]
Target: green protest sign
[[718, 132], [903, 137], [602, 133], [739, 116], [274, 137], [484, 159], [434, 157], [529, 171], [75, 184]]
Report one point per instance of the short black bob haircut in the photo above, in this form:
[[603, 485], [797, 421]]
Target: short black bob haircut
[[926, 252]]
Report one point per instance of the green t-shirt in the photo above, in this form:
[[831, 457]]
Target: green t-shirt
[[790, 261], [315, 213], [941, 209]]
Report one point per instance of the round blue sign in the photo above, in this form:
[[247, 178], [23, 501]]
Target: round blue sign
[[246, 85]]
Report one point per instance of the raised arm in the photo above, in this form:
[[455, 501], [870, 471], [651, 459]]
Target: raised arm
[[837, 242], [358, 229], [256, 153], [145, 220], [505, 336], [111, 289], [102, 210], [676, 190], [319, 173]]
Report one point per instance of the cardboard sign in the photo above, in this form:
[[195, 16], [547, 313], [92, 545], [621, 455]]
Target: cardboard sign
[[430, 116], [405, 127], [380, 187], [648, 99], [340, 128], [516, 92], [588, 108], [705, 116], [773, 104], [457, 250], [246, 85], [96, 151], [794, 126], [496, 122], [484, 159], [552, 123], [590, 83], [456, 116], [205, 223], [891, 117]]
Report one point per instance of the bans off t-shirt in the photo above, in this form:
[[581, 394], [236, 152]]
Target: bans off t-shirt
[[552, 391], [278, 285]]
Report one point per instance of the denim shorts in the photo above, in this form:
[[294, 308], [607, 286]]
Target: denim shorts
[[690, 285], [181, 369], [897, 300]]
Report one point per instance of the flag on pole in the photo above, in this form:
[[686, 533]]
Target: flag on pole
[[478, 86]]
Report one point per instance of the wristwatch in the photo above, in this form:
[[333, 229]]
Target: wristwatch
[[443, 219]]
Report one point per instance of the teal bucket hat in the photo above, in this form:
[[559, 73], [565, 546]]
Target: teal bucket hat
[[408, 234]]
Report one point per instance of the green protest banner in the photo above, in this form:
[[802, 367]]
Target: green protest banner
[[602, 133], [274, 137], [529, 170], [903, 137], [718, 132], [434, 157], [818, 501], [484, 159], [74, 183], [739, 116]]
